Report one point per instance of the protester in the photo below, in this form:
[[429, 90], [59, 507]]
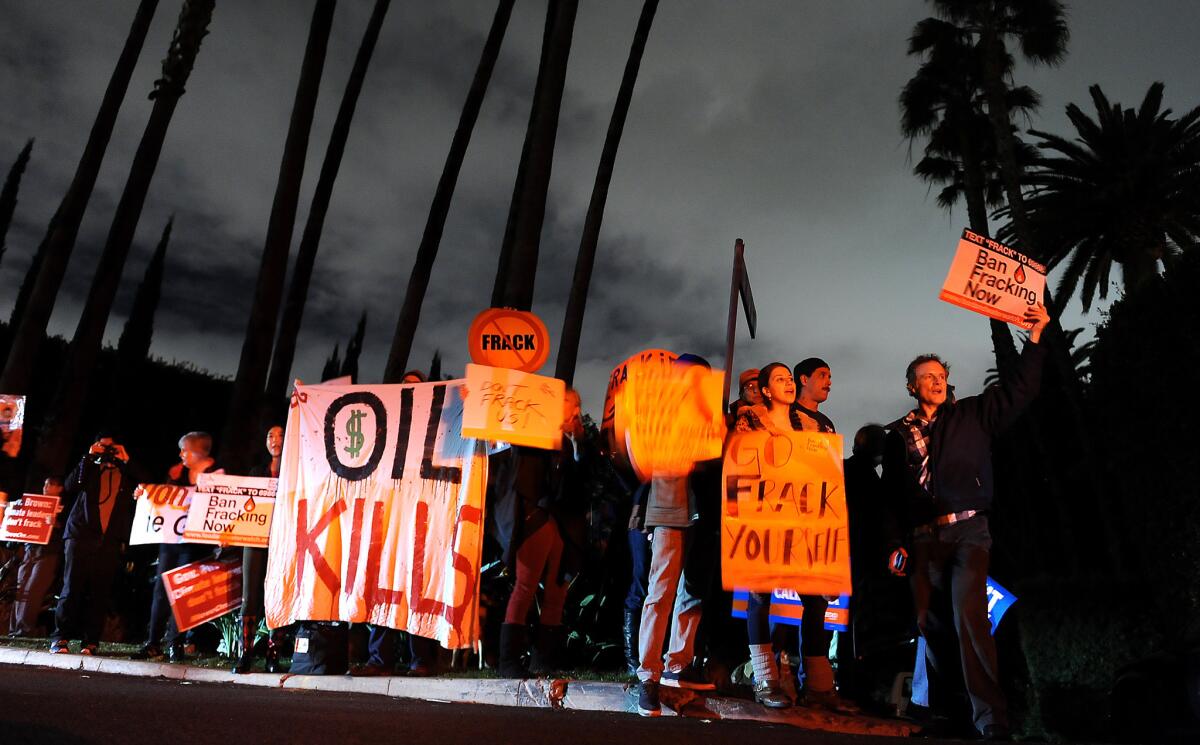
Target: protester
[[195, 458], [749, 393], [671, 600], [254, 574], [381, 640], [98, 524], [937, 472], [39, 567], [528, 494]]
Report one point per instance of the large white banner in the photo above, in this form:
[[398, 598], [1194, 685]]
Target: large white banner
[[379, 514]]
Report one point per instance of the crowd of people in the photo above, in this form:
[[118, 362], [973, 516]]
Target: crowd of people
[[918, 493]]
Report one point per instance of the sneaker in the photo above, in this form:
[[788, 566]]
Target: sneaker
[[60, 646], [88, 650], [769, 694], [648, 703], [689, 677]]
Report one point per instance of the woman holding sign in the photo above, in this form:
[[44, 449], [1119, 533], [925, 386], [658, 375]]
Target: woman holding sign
[[194, 459], [778, 388]]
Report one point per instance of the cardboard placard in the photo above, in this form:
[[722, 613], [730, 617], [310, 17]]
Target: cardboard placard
[[30, 520], [12, 423], [203, 590], [661, 417], [512, 406], [231, 510], [161, 513], [993, 279], [783, 523], [787, 608]]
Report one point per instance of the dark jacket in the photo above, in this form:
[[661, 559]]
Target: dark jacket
[[960, 451], [83, 485]]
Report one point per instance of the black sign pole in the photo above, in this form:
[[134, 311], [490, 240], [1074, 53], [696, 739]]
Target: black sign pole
[[739, 266]]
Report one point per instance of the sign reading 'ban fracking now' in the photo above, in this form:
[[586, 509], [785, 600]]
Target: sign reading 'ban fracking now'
[[993, 279]]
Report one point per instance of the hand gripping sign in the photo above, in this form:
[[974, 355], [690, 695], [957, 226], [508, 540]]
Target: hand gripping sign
[[514, 407], [661, 417], [990, 278], [379, 513], [784, 514]]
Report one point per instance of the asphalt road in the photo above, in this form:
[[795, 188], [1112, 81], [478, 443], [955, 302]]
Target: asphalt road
[[53, 707]]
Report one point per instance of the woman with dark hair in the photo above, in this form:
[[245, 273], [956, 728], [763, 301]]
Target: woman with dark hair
[[254, 573]]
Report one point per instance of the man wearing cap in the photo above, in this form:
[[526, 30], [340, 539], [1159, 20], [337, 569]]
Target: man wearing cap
[[748, 393], [937, 474]]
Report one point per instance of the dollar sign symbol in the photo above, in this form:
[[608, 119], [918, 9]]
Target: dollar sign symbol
[[354, 431]]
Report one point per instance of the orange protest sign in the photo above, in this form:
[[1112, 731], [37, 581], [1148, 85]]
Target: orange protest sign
[[30, 520], [203, 590], [993, 279], [504, 337], [783, 522], [661, 417], [514, 407]]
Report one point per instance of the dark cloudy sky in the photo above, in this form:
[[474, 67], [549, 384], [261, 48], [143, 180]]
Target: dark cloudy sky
[[775, 122]]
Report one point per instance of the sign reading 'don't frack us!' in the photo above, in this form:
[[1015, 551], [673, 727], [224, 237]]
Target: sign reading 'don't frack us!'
[[231, 510], [161, 513], [203, 590], [514, 407], [991, 278], [31, 520], [783, 523], [505, 337]]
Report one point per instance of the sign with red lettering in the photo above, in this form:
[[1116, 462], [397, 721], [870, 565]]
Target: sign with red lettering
[[379, 513], [514, 407], [12, 423], [161, 513], [203, 590], [30, 520], [504, 337], [783, 523], [231, 510], [993, 279]]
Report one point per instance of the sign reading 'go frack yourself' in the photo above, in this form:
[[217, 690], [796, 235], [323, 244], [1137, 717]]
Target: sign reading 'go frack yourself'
[[993, 279], [783, 523]]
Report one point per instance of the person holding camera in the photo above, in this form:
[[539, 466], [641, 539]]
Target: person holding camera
[[97, 527]]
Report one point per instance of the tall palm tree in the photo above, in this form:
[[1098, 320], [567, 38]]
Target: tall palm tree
[[943, 102], [418, 279], [241, 423], [529, 204], [55, 250], [8, 195], [1126, 190], [134, 344], [53, 450], [310, 239], [568, 345]]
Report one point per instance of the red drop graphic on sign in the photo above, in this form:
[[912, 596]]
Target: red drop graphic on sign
[[249, 505], [1019, 275]]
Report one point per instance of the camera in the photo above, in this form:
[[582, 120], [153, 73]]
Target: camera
[[106, 456]]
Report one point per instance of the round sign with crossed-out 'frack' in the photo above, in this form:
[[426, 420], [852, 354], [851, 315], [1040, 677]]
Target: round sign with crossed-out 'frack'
[[514, 339]]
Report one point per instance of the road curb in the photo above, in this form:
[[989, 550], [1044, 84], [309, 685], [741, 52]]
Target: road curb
[[541, 693]]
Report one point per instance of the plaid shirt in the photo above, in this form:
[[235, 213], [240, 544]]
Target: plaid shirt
[[916, 442]]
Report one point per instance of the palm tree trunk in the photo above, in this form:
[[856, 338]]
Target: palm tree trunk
[[530, 207], [418, 279], [568, 346], [241, 423], [60, 238], [310, 240], [62, 424], [8, 195], [133, 347], [1054, 338]]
